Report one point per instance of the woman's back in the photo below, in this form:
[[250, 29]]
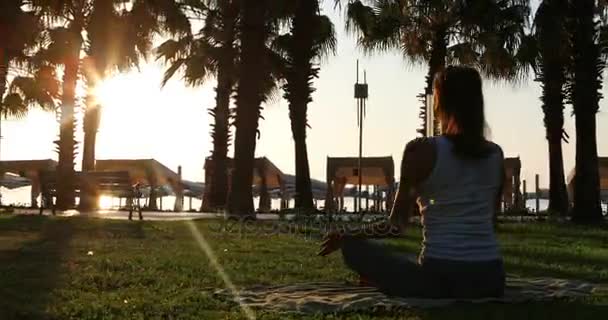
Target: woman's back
[[458, 202]]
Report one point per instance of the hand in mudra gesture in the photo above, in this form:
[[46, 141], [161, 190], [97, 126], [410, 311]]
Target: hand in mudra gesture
[[331, 242]]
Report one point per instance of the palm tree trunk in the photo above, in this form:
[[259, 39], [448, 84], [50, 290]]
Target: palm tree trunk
[[303, 196], [586, 89], [587, 205], [558, 196], [4, 61], [298, 93], [221, 136], [248, 104], [88, 198], [91, 126], [3, 72], [436, 64], [67, 144], [552, 77], [221, 132], [553, 107]]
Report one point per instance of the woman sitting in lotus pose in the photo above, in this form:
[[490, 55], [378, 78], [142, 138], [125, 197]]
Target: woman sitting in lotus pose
[[456, 180]]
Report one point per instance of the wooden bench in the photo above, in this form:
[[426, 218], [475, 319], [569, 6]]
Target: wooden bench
[[95, 183]]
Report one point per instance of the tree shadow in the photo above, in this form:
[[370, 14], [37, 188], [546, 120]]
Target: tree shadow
[[553, 265], [559, 309], [30, 272], [536, 310], [565, 231]]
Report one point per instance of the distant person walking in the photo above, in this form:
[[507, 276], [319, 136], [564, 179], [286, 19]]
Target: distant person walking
[[456, 181]]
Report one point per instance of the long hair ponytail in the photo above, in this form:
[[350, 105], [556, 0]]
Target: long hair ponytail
[[460, 106]]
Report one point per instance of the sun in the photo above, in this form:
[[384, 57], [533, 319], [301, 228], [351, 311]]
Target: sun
[[129, 102], [140, 119], [106, 202], [122, 91]]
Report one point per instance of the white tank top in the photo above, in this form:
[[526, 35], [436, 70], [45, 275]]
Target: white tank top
[[457, 203]]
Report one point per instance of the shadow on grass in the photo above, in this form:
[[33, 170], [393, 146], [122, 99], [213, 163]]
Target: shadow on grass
[[565, 231], [39, 259], [30, 272], [557, 257], [550, 310], [560, 310]]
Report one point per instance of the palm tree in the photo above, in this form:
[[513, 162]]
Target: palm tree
[[589, 39], [212, 52], [19, 32], [546, 53], [254, 69], [117, 40], [39, 89], [64, 45], [119, 47], [70, 20], [484, 33], [311, 37]]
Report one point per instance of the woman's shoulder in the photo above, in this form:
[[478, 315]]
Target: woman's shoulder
[[420, 144], [419, 158], [495, 148]]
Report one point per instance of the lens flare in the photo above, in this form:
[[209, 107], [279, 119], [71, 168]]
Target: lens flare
[[204, 245]]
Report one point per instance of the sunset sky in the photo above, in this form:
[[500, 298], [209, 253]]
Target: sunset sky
[[141, 120]]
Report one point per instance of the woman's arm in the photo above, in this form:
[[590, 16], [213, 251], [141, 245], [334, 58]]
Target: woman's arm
[[417, 163], [405, 200], [503, 179]]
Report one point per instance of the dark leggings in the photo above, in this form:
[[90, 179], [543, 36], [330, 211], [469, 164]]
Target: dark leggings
[[398, 274]]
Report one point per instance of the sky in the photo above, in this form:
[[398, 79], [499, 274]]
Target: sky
[[141, 120]]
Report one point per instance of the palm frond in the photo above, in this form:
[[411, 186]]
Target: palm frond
[[13, 106], [164, 15], [326, 41], [41, 90]]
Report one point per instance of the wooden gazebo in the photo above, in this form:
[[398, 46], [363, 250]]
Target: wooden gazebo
[[511, 195], [151, 173], [376, 171], [603, 170], [30, 169], [266, 176]]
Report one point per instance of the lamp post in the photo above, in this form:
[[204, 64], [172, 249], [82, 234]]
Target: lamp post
[[430, 116], [361, 95]]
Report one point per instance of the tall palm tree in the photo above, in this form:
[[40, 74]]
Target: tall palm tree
[[215, 51], [546, 51], [311, 37], [484, 33], [212, 52], [64, 49], [70, 20], [254, 68], [118, 39], [590, 45]]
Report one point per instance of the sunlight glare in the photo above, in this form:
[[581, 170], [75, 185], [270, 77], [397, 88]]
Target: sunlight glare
[[131, 107], [206, 248], [105, 202]]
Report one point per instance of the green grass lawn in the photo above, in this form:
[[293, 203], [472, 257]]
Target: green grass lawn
[[156, 270]]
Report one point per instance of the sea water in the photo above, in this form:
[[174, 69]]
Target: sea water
[[21, 197]]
